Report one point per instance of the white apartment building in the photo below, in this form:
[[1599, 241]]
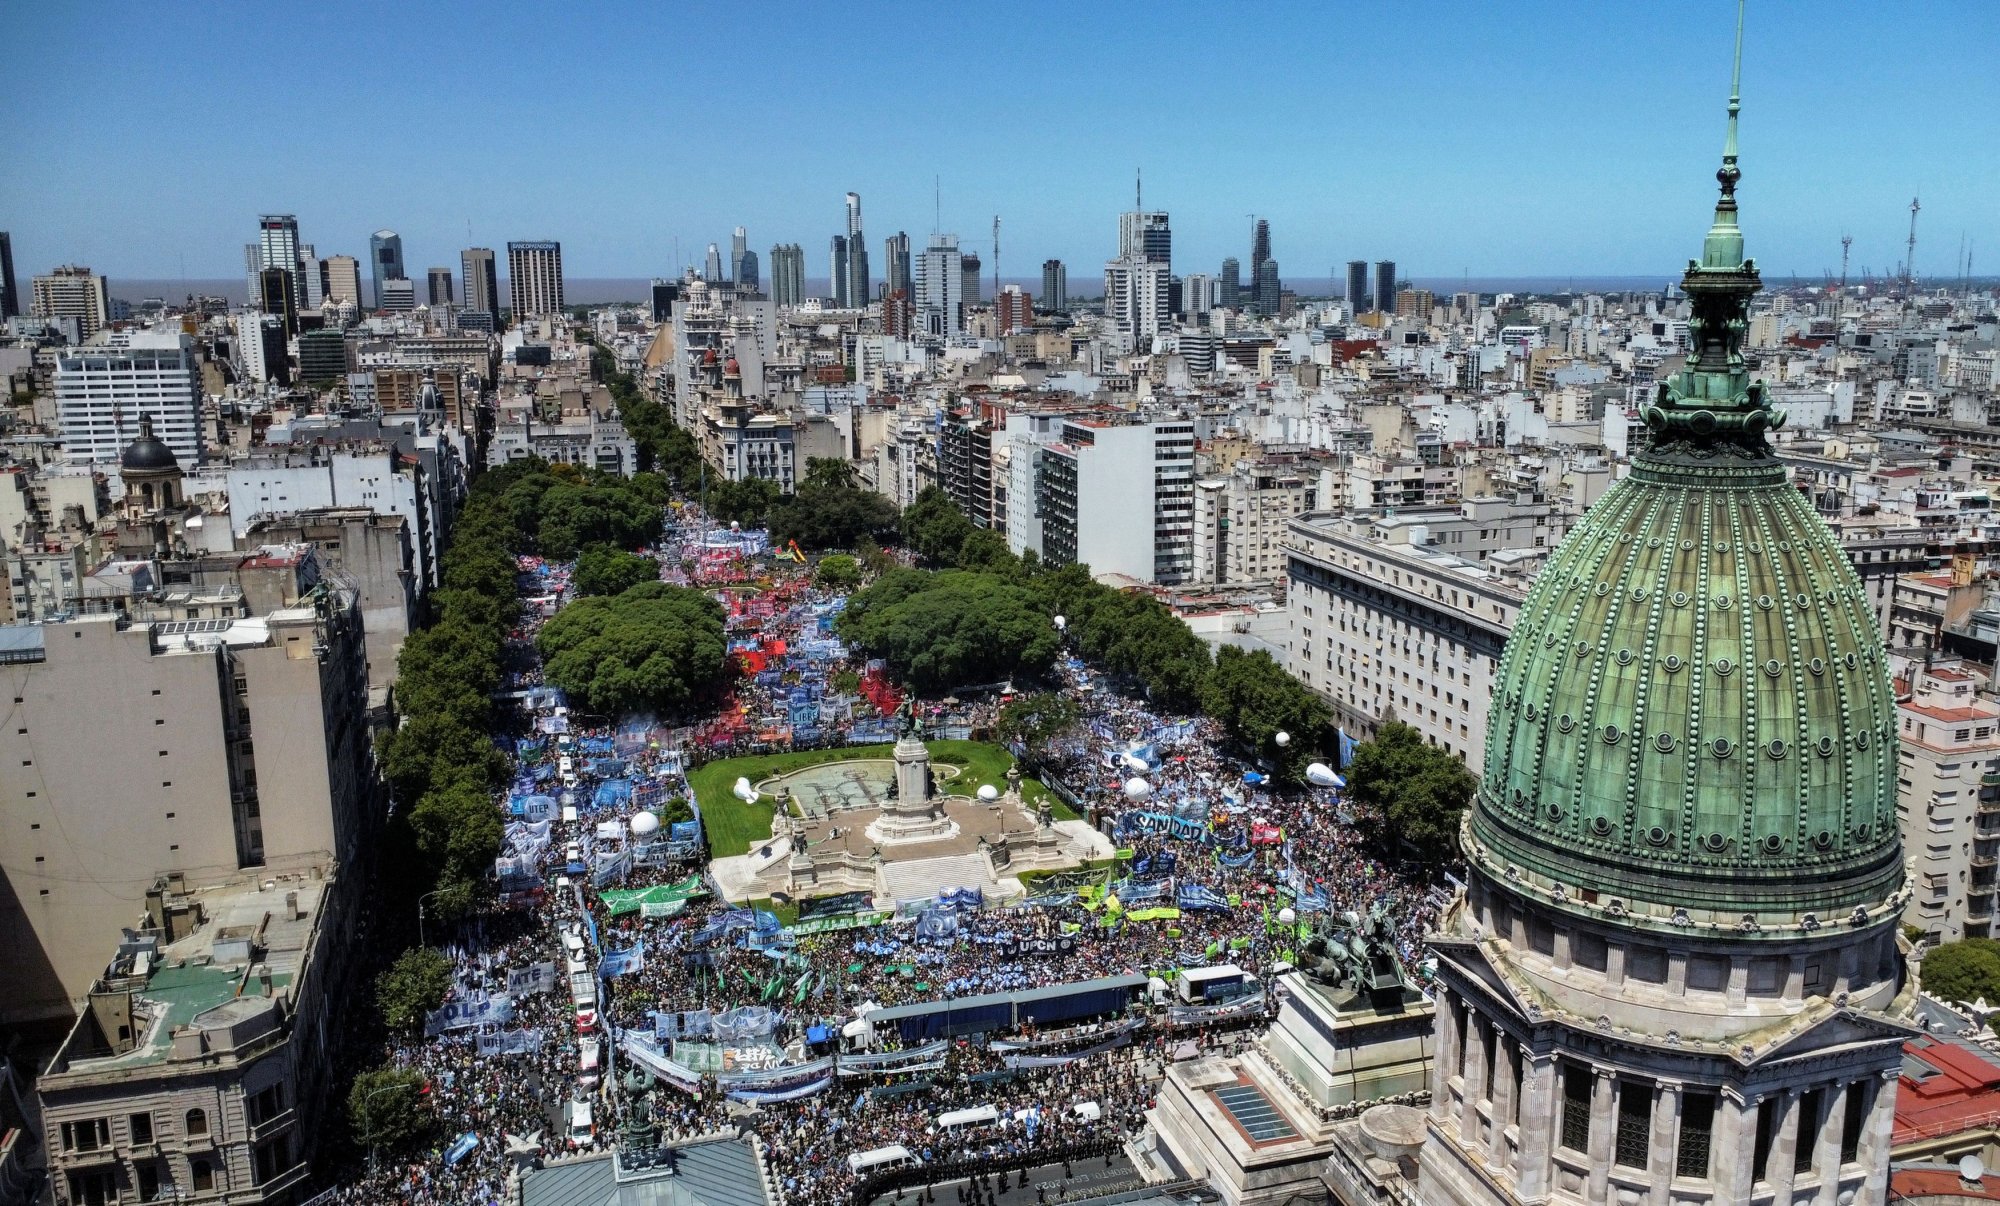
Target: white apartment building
[[104, 389], [1116, 496], [1399, 631], [535, 278], [1948, 802], [1137, 300], [74, 292], [940, 301]]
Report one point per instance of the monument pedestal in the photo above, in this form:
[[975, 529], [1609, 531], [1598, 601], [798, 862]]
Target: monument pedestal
[[914, 815], [1323, 1103]]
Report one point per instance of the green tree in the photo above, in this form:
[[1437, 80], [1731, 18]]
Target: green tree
[[653, 648], [386, 1108], [457, 828], [934, 528], [829, 511], [838, 572], [601, 570], [1255, 699], [1033, 722], [1412, 794], [986, 549], [432, 748], [412, 986], [951, 629], [1963, 972], [745, 502]]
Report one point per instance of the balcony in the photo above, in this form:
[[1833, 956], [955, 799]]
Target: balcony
[[260, 1131], [1979, 908]]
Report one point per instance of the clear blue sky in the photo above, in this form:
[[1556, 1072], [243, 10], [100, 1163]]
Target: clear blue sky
[[1498, 138]]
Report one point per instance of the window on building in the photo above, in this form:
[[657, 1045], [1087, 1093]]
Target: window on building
[[197, 1123], [203, 1176], [1697, 1134], [1576, 1107], [94, 1188], [1635, 1123], [142, 1124], [87, 1135]]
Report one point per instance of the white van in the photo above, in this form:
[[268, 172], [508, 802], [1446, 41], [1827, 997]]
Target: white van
[[953, 1121], [893, 1156], [1089, 1111], [578, 1126], [588, 1062]]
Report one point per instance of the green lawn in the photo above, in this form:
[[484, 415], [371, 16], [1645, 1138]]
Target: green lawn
[[734, 826]]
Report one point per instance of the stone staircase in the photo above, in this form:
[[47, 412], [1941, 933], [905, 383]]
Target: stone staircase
[[924, 878]]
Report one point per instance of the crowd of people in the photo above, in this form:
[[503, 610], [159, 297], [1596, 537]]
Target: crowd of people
[[815, 978]]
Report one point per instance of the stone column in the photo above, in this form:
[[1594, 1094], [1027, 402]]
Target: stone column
[[1504, 1077], [1826, 1156], [1663, 1150], [1603, 1133], [1875, 1135], [1778, 1171], [1732, 1165], [1444, 1065], [1538, 1119], [1474, 1041]]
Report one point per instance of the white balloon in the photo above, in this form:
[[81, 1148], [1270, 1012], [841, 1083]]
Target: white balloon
[[1320, 774], [1137, 788], [742, 785], [1283, 738], [1287, 915], [644, 823], [1061, 623], [988, 792]]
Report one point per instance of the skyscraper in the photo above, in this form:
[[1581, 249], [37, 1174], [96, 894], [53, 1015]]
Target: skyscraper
[[711, 268], [1055, 286], [1357, 285], [1196, 289], [72, 291], [10, 293], [439, 280], [1229, 285], [1013, 309], [275, 297], [340, 279], [535, 278], [278, 247], [1675, 958], [665, 293], [857, 256], [1260, 248], [739, 245], [1385, 284], [385, 260], [312, 288], [480, 281], [941, 287], [1137, 299], [1268, 289], [746, 270], [896, 264], [788, 274], [836, 275], [1144, 237], [968, 266]]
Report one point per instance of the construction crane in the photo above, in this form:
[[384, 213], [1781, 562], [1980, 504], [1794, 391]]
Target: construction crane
[[1846, 245]]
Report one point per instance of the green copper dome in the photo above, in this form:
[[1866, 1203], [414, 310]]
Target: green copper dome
[[1694, 710]]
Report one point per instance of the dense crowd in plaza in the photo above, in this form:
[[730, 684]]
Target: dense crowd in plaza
[[815, 979]]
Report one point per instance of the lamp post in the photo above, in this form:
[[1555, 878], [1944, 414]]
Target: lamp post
[[369, 1137], [420, 914]]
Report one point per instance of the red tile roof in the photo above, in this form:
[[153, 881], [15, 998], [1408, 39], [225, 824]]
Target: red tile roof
[[1962, 1093]]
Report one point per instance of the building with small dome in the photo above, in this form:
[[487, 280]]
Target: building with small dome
[[151, 473]]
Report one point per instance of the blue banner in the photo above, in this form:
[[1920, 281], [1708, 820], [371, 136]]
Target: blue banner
[[619, 963], [1201, 896]]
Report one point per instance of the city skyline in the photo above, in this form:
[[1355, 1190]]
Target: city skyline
[[1432, 173]]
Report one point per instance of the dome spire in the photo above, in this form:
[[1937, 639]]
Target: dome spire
[[1711, 405]]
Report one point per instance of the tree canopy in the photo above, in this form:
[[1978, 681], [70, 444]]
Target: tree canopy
[[950, 629], [746, 502], [1255, 699], [830, 511], [934, 528], [1963, 972], [385, 1106], [1412, 793], [654, 648], [414, 985], [838, 572], [601, 570], [1034, 721]]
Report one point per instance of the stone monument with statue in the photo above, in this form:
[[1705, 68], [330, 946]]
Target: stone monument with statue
[[1336, 1083]]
